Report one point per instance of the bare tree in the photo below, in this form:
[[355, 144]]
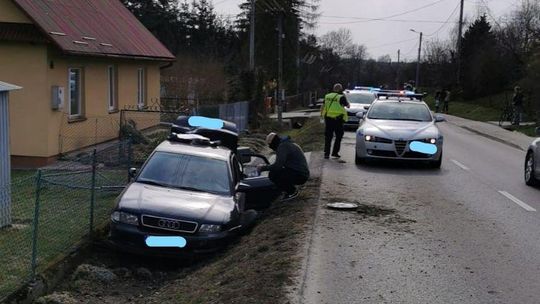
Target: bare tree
[[521, 30], [339, 41]]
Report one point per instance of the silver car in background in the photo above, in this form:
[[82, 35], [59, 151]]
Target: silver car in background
[[393, 128], [532, 162], [359, 100]]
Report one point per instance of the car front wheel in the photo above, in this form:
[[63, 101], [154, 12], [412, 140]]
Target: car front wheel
[[530, 179], [359, 160]]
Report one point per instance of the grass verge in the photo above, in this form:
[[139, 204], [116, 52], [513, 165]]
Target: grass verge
[[64, 220]]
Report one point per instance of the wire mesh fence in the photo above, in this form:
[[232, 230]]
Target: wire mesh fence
[[54, 209]]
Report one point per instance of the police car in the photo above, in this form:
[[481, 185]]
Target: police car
[[399, 126], [192, 194], [359, 100], [532, 162]]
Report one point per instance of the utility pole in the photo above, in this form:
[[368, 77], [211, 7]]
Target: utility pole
[[280, 67], [417, 82], [252, 38], [398, 69], [460, 33]]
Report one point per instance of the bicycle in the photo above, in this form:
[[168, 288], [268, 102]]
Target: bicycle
[[507, 114]]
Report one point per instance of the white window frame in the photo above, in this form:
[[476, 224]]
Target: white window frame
[[141, 87], [80, 101], [112, 88]]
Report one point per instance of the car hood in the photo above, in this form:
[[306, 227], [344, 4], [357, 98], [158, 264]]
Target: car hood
[[177, 204], [400, 130]]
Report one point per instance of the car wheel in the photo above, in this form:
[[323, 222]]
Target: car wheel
[[530, 179], [359, 160]]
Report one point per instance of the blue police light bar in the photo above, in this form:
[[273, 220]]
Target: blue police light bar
[[371, 89], [407, 94]]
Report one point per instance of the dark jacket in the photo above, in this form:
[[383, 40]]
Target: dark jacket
[[517, 100], [290, 156]]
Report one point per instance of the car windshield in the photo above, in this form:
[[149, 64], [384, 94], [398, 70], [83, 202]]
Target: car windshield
[[360, 98], [186, 172], [400, 111]]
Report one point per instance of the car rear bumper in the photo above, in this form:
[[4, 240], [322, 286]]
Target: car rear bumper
[[131, 239]]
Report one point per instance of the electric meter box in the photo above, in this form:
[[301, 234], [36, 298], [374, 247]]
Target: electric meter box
[[57, 102]]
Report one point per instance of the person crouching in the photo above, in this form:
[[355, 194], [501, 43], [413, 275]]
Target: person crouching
[[290, 168]]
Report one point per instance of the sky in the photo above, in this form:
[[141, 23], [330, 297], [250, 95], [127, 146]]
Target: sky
[[435, 18]]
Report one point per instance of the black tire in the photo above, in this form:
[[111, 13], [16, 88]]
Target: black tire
[[530, 179], [359, 160]]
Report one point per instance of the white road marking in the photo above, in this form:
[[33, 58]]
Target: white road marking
[[517, 201], [462, 166]]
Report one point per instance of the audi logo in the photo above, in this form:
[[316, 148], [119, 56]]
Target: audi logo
[[169, 224]]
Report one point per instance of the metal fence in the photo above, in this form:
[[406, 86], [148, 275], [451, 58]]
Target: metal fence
[[56, 208], [237, 112]]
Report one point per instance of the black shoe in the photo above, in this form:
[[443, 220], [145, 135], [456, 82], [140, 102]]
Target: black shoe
[[336, 156], [290, 196], [326, 157]]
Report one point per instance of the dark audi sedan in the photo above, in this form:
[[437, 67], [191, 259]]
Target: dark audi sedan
[[192, 190]]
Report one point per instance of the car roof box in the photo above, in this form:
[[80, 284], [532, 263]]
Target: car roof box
[[227, 134]]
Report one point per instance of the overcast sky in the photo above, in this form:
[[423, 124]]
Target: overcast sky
[[387, 36]]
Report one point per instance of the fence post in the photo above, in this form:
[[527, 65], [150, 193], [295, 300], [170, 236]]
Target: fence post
[[93, 192], [130, 155], [35, 224]]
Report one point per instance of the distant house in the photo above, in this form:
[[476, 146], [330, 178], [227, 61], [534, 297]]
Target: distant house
[[77, 60]]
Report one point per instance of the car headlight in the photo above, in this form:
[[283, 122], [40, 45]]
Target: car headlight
[[207, 228], [125, 218], [377, 139], [430, 140]]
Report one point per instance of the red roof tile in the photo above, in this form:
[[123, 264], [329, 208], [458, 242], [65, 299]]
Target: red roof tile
[[94, 27]]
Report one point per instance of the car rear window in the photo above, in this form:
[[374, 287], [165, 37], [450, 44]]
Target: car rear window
[[188, 172], [360, 98]]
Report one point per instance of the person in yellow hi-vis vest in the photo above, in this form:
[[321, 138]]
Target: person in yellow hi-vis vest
[[334, 114]]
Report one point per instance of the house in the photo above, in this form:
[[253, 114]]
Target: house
[[80, 62]]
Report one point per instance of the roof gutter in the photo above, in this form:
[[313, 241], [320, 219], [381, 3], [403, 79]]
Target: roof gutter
[[168, 65]]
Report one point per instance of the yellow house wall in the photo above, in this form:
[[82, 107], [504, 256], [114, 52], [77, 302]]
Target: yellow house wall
[[25, 65], [9, 12], [99, 124]]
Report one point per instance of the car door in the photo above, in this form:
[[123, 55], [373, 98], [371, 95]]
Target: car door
[[258, 189]]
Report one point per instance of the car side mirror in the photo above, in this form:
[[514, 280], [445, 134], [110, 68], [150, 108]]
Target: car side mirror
[[132, 172], [538, 131], [366, 108], [242, 187], [360, 114], [439, 118]]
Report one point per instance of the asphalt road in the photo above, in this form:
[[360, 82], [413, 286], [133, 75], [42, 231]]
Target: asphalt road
[[465, 234]]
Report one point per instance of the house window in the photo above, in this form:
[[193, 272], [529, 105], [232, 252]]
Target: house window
[[75, 93], [141, 87], [112, 88]]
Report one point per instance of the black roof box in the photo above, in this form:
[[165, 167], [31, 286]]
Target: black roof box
[[228, 135]]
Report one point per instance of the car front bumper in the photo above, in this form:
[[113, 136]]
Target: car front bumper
[[395, 150], [132, 239]]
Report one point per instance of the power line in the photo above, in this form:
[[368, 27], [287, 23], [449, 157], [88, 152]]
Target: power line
[[395, 15], [392, 43], [446, 22], [392, 20]]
